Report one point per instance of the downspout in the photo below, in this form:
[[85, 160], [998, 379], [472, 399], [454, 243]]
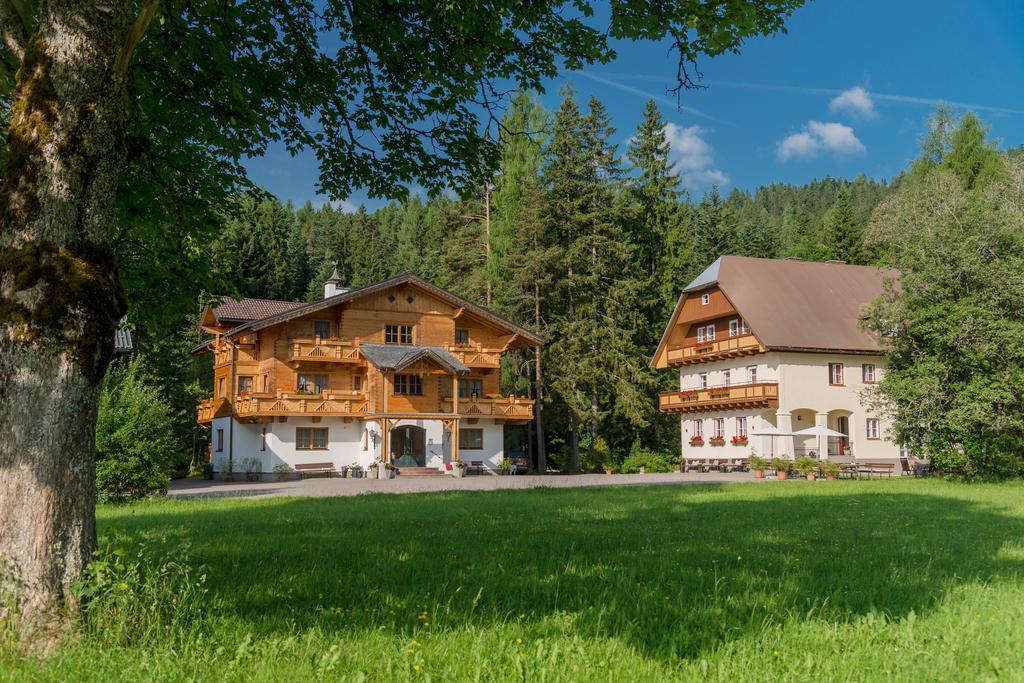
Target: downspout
[[231, 400]]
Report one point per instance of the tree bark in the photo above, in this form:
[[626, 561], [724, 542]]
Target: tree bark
[[538, 404], [60, 297]]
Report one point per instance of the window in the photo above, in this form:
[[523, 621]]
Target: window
[[311, 438], [872, 428], [705, 299], [220, 440], [741, 426], [263, 439], [726, 377], [752, 374], [702, 380], [868, 373], [706, 333], [734, 328], [744, 327], [835, 374], [461, 337], [220, 387], [718, 427], [471, 439], [322, 328], [471, 388], [244, 384], [266, 383], [313, 384], [698, 429], [357, 382], [398, 334], [409, 385]]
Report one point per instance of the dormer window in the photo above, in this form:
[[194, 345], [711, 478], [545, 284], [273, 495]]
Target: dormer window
[[398, 334], [705, 299]]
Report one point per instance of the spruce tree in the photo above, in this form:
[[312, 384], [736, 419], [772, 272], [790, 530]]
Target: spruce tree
[[843, 235]]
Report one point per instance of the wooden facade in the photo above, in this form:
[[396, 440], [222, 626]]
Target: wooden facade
[[311, 361]]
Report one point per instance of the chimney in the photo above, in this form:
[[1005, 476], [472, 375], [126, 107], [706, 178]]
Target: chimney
[[333, 286]]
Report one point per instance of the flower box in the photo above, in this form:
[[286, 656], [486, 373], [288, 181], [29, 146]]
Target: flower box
[[703, 344], [696, 441], [739, 441], [719, 392], [717, 441]]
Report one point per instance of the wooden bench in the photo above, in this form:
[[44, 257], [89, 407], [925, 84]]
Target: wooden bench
[[475, 467], [878, 468], [314, 468]]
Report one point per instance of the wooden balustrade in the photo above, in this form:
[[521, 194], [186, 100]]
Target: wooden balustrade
[[204, 411], [504, 407], [257, 405], [327, 350], [727, 347], [474, 355], [735, 396]]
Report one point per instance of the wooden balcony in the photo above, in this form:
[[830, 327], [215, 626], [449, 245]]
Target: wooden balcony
[[244, 353], [475, 356], [729, 347], [204, 411], [323, 350], [732, 397], [508, 408], [286, 404]]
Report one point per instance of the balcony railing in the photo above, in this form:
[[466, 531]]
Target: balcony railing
[[503, 408], [204, 411], [284, 404], [475, 356], [327, 350], [730, 397], [728, 347], [244, 353]]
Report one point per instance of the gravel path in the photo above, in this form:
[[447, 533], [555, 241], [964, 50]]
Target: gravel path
[[319, 487]]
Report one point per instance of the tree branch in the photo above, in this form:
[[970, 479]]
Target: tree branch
[[134, 37]]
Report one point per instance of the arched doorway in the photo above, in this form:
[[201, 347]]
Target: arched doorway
[[409, 446]]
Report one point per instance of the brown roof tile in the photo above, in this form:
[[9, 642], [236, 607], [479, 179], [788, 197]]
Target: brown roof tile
[[247, 309]]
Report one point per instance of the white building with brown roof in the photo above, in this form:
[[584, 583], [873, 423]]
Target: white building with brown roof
[[763, 343]]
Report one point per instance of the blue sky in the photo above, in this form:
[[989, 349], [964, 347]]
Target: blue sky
[[844, 92]]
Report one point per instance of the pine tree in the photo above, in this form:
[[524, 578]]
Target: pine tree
[[843, 235], [714, 230]]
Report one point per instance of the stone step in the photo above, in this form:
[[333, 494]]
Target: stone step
[[419, 472]]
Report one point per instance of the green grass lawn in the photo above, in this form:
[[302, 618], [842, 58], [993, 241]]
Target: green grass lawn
[[905, 580]]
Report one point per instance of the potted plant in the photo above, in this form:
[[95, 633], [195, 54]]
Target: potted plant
[[830, 468], [781, 467], [208, 471], [282, 470], [717, 441], [355, 472], [758, 464], [696, 441], [460, 468], [739, 441], [389, 470], [251, 466], [807, 467], [371, 471], [506, 466]]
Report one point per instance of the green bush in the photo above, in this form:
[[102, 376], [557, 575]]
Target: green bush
[[830, 468], [805, 465], [134, 437], [650, 460], [781, 464], [756, 462]]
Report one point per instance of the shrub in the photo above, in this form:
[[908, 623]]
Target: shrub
[[780, 464], [830, 468], [805, 465], [650, 460], [134, 437], [756, 462]]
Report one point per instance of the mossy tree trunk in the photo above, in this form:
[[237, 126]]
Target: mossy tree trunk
[[60, 297]]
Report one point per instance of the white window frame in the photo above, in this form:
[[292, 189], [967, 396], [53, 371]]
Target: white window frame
[[718, 427], [734, 328], [864, 373], [873, 429], [752, 374], [741, 426], [832, 368], [705, 299], [726, 378], [744, 327], [709, 332], [698, 428], [702, 380], [700, 334]]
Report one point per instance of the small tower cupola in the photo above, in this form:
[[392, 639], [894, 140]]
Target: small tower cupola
[[333, 286]]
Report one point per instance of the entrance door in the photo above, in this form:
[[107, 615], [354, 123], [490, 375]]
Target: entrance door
[[843, 425], [409, 446]]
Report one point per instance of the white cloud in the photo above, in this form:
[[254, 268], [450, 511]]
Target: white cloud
[[818, 136], [856, 101], [693, 156]]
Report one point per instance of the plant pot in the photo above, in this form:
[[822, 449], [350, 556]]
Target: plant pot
[[758, 474], [459, 472], [811, 476], [830, 478], [371, 472], [643, 469], [782, 475]]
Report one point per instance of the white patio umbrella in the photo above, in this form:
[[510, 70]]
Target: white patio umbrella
[[771, 431], [819, 432]]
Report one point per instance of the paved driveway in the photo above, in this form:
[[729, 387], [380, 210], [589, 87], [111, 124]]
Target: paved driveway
[[193, 488]]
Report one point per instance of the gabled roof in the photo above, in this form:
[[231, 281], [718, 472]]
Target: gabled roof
[[796, 305], [398, 357], [230, 310], [402, 279]]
